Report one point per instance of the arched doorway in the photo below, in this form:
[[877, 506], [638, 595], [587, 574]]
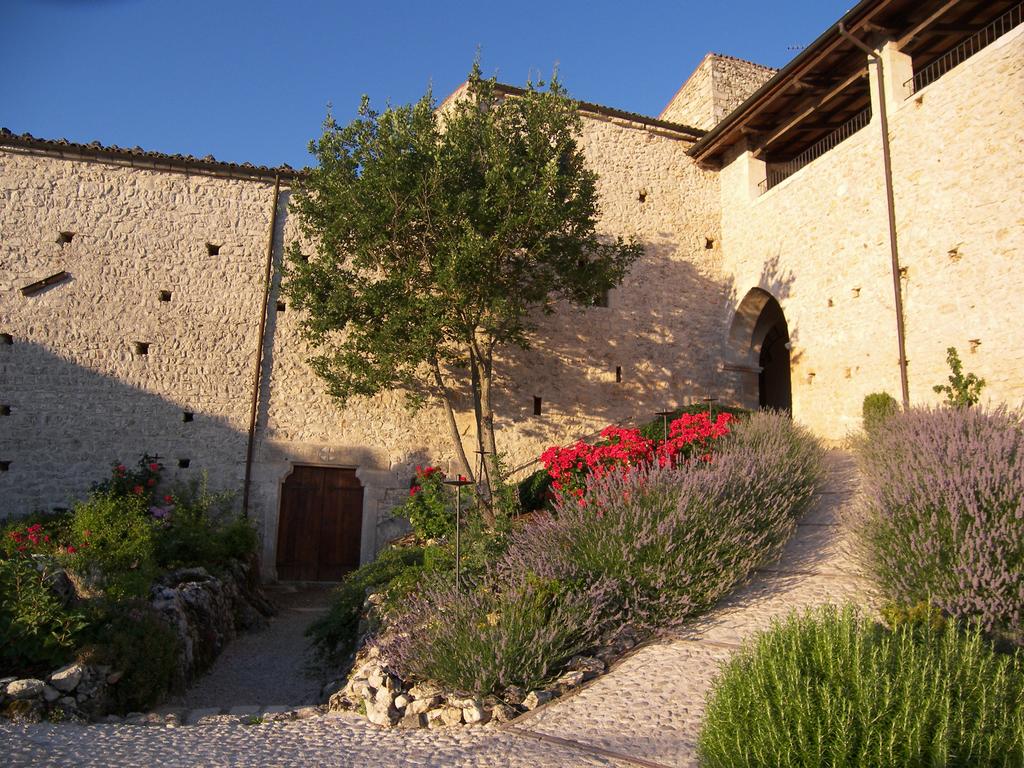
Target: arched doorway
[[759, 350]]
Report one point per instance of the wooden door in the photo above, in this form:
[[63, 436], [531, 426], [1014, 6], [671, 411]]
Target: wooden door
[[320, 525]]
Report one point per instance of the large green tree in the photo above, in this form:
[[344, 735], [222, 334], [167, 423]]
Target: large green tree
[[441, 235]]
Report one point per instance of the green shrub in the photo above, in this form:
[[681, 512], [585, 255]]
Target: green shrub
[[115, 542], [39, 632], [200, 528], [430, 508], [833, 689], [534, 490], [130, 638], [963, 390], [334, 634], [877, 408]]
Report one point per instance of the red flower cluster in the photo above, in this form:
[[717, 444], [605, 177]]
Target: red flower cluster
[[622, 450], [31, 537], [422, 474]]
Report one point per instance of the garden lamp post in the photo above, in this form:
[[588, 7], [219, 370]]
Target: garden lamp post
[[709, 400], [458, 483], [664, 422]]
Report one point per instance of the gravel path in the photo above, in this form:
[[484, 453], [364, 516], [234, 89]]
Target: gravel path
[[645, 712], [273, 666]]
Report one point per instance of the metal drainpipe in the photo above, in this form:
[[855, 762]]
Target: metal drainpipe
[[259, 349], [890, 200]]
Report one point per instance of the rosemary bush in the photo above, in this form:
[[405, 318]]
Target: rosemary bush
[[830, 688]]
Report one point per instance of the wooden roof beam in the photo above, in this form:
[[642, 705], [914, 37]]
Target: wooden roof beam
[[917, 28]]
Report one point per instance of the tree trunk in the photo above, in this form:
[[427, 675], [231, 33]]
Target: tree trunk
[[460, 450], [481, 379]]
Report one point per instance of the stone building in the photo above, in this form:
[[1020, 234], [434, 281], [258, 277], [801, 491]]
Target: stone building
[[782, 228]]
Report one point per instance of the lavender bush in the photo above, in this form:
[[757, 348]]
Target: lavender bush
[[943, 513], [648, 549]]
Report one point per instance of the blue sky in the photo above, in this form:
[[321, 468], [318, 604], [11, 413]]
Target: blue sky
[[250, 80]]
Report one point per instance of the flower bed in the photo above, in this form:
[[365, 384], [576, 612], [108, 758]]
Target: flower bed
[[135, 591], [641, 550]]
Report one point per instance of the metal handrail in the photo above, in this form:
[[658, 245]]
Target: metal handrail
[[964, 50], [777, 172]]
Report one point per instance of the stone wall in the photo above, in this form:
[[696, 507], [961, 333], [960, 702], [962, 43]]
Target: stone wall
[[718, 85], [818, 242], [80, 396]]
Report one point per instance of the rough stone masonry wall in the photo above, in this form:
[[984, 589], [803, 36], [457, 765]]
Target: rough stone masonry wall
[[715, 88], [661, 329], [819, 243], [79, 396]]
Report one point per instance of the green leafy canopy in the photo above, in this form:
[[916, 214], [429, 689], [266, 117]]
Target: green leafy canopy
[[440, 229]]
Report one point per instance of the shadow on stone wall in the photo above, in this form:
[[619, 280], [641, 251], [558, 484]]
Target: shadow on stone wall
[[69, 424]]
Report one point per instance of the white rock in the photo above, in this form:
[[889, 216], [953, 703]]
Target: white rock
[[401, 701], [535, 698], [418, 706], [25, 689], [66, 679], [475, 714], [451, 716], [503, 713]]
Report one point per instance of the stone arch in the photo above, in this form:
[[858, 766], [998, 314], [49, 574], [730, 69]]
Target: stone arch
[[758, 350]]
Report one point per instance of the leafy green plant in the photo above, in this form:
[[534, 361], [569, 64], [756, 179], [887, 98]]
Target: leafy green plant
[[535, 491], [963, 390], [39, 632], [114, 542], [430, 508], [198, 527], [833, 689], [334, 634], [128, 636], [877, 409]]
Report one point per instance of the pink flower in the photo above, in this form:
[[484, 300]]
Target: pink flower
[[137, 490], [154, 467], [414, 490], [71, 549], [168, 499]]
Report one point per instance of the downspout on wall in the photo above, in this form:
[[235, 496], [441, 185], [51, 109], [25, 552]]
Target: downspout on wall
[[891, 207], [259, 348]]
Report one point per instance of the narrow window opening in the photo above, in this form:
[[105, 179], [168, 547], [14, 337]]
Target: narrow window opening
[[537, 406], [709, 243], [65, 238], [830, 303], [5, 466], [280, 306], [60, 510], [5, 410], [905, 272], [183, 463], [187, 416], [642, 196], [165, 295], [6, 338], [810, 377], [856, 293], [212, 249], [141, 347], [618, 374]]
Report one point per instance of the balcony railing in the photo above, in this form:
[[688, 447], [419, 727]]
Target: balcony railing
[[983, 37], [776, 172]]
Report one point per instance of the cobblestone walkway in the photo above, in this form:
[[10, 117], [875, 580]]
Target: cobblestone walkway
[[645, 712]]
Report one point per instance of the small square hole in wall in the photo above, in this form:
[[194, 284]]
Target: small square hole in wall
[[60, 510], [65, 238], [141, 347], [165, 295], [6, 338], [5, 410], [642, 196], [212, 250], [905, 272], [187, 416], [975, 343], [538, 406], [709, 243], [5, 466], [855, 292], [183, 463], [831, 303], [281, 306], [618, 374]]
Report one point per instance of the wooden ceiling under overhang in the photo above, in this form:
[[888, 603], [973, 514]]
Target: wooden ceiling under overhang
[[827, 84]]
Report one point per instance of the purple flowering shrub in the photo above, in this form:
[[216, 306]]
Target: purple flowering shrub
[[943, 514], [647, 549]]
